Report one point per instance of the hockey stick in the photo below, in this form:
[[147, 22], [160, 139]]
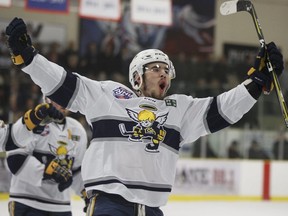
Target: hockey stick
[[123, 130], [234, 6]]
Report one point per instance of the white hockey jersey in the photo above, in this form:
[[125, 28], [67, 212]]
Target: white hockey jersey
[[28, 152], [4, 133], [136, 140]]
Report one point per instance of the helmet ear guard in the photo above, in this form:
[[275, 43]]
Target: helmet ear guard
[[137, 80], [172, 72], [143, 58]]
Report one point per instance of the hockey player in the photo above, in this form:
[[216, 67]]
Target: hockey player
[[129, 167], [4, 131], [44, 154]]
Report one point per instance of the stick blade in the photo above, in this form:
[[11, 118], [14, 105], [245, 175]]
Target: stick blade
[[234, 6], [228, 7]]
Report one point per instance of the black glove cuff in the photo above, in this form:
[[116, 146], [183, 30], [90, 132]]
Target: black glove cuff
[[253, 88], [28, 54]]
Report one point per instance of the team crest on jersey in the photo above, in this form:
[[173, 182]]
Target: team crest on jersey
[[122, 93], [63, 151], [149, 128]]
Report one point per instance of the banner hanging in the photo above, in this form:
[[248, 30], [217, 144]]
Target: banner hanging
[[102, 9], [157, 12], [5, 3], [59, 6]]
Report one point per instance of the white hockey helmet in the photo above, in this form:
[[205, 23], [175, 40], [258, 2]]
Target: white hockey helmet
[[142, 59]]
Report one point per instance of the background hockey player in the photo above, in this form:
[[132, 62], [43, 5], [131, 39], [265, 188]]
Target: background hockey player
[[4, 131], [44, 153], [121, 177]]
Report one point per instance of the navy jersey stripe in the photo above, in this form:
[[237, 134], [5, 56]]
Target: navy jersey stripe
[[214, 119], [65, 92], [10, 144], [43, 157], [109, 128], [172, 138], [131, 186], [15, 162], [39, 200]]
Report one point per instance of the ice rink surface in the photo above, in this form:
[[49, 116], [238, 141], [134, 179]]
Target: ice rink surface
[[199, 208]]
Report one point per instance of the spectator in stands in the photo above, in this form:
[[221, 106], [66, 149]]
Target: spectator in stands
[[200, 151], [256, 152], [54, 53], [90, 60], [109, 58], [280, 147], [233, 150], [73, 62]]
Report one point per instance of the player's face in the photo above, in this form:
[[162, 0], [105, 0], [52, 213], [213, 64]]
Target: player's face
[[156, 80]]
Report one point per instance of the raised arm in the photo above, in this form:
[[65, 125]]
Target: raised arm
[[70, 90]]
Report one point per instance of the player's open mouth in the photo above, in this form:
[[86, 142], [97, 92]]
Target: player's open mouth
[[162, 85]]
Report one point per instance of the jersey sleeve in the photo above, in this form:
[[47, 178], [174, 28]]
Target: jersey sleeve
[[20, 135], [26, 167], [19, 148], [208, 115], [70, 90]]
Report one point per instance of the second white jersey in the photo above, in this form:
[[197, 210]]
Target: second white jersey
[[136, 140], [27, 154]]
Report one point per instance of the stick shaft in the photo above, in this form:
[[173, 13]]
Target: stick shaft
[[277, 86]]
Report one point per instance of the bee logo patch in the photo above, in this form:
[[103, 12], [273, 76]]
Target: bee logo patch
[[149, 127]]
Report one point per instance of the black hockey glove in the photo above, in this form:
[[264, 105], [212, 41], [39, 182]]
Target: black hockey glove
[[64, 185], [19, 43], [276, 58], [260, 74], [42, 114], [59, 174]]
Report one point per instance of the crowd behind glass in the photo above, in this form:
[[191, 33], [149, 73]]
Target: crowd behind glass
[[196, 76]]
